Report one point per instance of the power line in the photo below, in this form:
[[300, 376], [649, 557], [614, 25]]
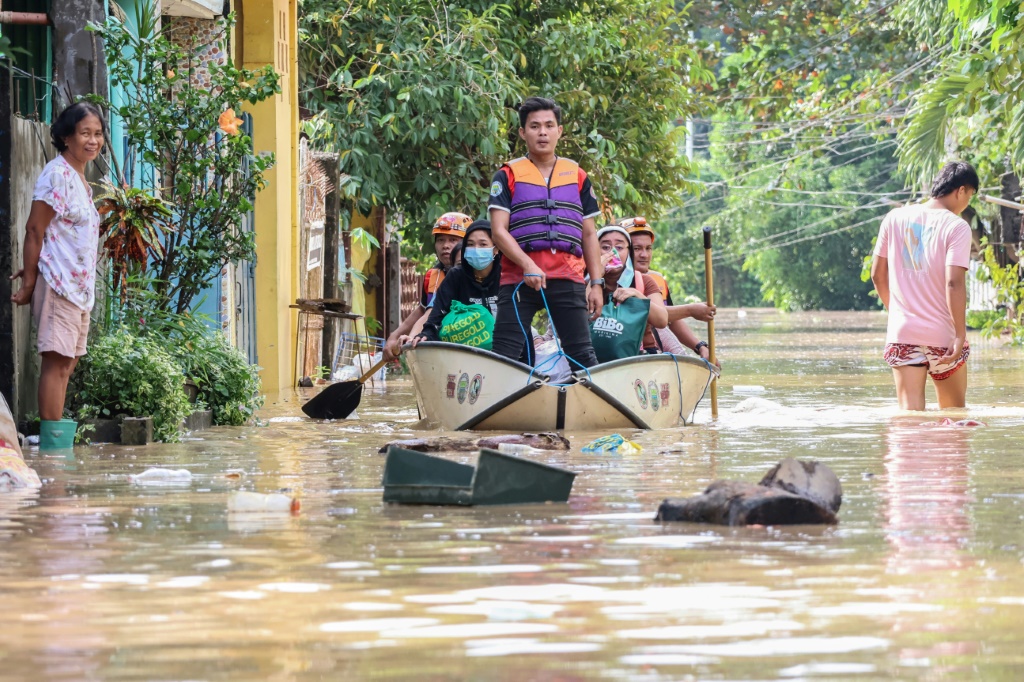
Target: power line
[[726, 261], [819, 191]]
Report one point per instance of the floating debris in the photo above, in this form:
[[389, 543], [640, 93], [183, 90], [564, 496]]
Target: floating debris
[[946, 421], [793, 492], [15, 473], [613, 443], [243, 501], [159, 476], [539, 441]]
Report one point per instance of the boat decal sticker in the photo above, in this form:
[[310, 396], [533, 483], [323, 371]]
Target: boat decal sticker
[[450, 389], [463, 387], [665, 393], [474, 388], [655, 398], [641, 392]]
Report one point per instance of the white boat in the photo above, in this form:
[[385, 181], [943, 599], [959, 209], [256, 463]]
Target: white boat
[[460, 387]]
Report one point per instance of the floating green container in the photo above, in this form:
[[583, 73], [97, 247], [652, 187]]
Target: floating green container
[[412, 477]]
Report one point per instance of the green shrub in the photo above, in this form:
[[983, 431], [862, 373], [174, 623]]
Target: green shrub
[[131, 375], [980, 319], [228, 384], [1009, 294]]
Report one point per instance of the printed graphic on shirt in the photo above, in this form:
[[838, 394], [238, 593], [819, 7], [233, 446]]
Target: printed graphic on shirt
[[915, 237], [496, 189]]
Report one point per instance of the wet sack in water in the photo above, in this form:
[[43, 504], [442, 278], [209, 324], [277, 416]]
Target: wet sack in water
[[14, 472], [469, 325]]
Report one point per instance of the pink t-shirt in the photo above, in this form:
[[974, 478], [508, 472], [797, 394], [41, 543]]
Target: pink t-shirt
[[919, 243]]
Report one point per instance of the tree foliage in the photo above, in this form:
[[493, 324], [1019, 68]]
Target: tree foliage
[[799, 161], [803, 69], [419, 96], [207, 169], [976, 89]]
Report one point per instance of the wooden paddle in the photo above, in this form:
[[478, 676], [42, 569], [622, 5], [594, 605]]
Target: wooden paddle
[[338, 401], [710, 286]]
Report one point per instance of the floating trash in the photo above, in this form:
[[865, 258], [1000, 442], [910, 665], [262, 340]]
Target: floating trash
[[613, 443], [159, 476], [946, 421], [243, 501], [519, 449]]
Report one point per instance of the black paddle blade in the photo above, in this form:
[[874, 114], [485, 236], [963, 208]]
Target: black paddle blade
[[337, 401]]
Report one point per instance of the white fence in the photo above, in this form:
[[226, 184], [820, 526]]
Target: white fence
[[980, 295]]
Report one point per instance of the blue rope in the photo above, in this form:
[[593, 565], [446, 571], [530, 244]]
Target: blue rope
[[529, 337]]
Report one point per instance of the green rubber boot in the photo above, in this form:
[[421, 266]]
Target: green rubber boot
[[57, 435]]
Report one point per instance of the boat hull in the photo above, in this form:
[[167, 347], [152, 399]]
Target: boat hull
[[461, 388]]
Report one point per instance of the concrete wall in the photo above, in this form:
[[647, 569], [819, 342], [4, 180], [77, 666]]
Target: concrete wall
[[78, 61], [28, 157]]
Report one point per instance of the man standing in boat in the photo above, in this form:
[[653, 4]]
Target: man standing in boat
[[448, 233], [542, 211], [677, 334], [919, 271]]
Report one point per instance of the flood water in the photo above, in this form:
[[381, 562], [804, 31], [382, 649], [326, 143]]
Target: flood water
[[922, 578]]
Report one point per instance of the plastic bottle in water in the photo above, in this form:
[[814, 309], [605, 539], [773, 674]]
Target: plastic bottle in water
[[518, 449], [243, 501]]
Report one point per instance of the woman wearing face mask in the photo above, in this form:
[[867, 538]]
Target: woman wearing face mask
[[474, 280], [621, 281]]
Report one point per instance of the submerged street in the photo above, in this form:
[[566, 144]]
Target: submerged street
[[921, 579]]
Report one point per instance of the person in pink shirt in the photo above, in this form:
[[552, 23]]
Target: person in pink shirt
[[919, 270]]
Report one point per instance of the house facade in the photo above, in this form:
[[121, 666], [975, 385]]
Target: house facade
[[62, 61]]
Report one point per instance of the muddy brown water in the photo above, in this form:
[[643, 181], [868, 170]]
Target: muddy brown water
[[922, 579]]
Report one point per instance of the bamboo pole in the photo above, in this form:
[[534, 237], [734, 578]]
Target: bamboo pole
[[710, 286]]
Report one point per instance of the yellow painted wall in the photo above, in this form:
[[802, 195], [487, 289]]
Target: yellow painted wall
[[267, 35], [364, 300]]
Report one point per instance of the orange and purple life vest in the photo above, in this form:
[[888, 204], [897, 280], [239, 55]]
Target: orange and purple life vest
[[546, 215]]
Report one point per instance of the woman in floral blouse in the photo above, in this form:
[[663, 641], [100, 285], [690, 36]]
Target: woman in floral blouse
[[61, 243]]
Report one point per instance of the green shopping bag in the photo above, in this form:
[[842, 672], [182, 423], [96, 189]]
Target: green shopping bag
[[470, 325], [617, 333]]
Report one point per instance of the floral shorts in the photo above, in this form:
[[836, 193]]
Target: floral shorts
[[909, 355]]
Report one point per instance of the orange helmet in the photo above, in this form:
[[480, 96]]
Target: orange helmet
[[637, 225], [452, 223]]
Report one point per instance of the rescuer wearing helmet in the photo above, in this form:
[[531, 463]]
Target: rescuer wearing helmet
[[448, 232], [542, 210], [642, 236]]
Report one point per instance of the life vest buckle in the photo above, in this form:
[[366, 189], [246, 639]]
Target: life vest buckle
[[550, 219], [550, 203]]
